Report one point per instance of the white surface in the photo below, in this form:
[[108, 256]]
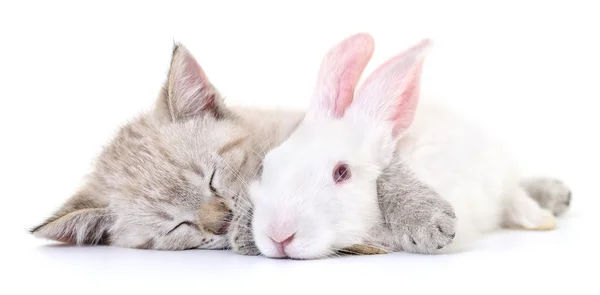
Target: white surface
[[505, 263], [72, 72], [543, 263]]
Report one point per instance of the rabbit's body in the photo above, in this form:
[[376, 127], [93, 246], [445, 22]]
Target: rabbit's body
[[471, 170], [439, 180], [463, 165]]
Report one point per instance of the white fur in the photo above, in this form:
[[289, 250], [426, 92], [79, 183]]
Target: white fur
[[458, 160], [463, 165], [296, 194]]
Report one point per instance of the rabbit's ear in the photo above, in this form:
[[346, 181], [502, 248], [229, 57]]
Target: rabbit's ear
[[391, 93], [339, 73]]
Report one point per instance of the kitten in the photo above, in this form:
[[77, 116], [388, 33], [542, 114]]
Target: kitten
[[171, 177]]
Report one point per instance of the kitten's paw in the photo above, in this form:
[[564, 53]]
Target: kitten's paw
[[550, 193], [241, 238], [242, 242], [249, 249], [429, 230]]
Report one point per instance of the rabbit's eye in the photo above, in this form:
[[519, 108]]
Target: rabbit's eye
[[341, 172]]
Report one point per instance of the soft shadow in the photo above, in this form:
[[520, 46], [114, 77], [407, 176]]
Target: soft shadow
[[62, 246]]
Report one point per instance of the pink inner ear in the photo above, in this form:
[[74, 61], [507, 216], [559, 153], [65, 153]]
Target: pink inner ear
[[347, 83], [191, 75], [340, 71], [391, 92], [192, 93], [192, 70], [196, 80], [404, 113]]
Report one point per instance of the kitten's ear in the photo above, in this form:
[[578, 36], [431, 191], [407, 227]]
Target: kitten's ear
[[188, 93], [80, 221]]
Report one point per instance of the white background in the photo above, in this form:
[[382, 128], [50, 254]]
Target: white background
[[71, 73]]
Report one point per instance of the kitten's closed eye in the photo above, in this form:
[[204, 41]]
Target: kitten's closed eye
[[210, 183], [186, 223]]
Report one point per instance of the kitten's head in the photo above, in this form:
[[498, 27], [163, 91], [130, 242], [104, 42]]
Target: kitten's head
[[168, 178]]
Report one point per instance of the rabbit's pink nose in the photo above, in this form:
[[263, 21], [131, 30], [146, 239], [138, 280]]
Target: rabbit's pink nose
[[281, 242]]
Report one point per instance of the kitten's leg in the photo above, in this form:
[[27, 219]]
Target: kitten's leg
[[523, 212], [418, 218], [241, 238], [549, 193]]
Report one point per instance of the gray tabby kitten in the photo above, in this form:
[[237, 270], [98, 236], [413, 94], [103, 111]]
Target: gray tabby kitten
[[170, 177]]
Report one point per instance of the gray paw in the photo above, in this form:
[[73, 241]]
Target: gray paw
[[242, 242], [249, 249], [420, 221], [241, 238], [549, 193], [429, 230]]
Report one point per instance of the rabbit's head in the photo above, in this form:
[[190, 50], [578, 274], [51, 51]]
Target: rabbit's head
[[317, 192]]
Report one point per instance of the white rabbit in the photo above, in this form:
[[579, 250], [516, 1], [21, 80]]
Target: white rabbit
[[318, 192]]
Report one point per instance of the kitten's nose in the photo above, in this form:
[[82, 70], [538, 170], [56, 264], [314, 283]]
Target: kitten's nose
[[282, 241]]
